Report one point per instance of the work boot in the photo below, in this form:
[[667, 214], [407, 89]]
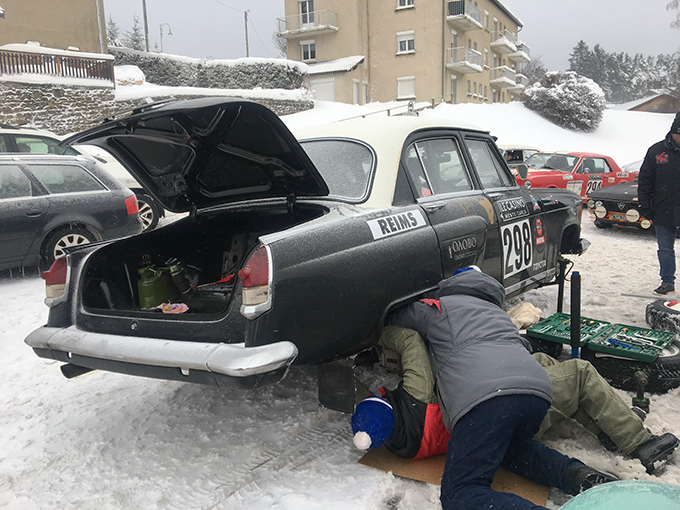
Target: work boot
[[664, 289], [582, 477], [654, 452]]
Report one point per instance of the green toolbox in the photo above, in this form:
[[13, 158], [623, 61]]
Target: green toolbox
[[627, 341]]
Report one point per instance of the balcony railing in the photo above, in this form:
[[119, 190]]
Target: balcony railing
[[521, 83], [66, 66], [464, 60], [314, 21], [502, 76], [522, 55], [464, 15], [503, 41]]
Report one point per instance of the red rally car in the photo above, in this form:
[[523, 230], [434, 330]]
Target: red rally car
[[580, 172]]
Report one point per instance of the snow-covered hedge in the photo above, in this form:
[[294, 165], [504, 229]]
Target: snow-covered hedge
[[245, 73], [569, 100]]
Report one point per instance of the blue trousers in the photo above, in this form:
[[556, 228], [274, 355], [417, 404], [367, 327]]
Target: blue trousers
[[499, 432], [665, 240]]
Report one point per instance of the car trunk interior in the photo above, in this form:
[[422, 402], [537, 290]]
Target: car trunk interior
[[193, 261]]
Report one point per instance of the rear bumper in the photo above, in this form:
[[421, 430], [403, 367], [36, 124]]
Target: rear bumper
[[165, 359]]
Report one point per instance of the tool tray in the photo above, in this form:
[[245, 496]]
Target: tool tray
[[557, 328], [643, 344]]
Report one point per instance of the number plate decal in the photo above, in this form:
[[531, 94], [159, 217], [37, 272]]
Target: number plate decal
[[518, 247]]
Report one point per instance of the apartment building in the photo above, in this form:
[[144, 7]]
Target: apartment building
[[458, 51]]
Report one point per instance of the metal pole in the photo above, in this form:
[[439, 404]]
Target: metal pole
[[245, 15], [575, 330], [146, 26]]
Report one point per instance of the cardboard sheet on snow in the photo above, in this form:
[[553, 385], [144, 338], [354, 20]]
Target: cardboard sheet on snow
[[430, 471]]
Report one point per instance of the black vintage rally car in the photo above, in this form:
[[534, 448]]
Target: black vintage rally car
[[294, 250]]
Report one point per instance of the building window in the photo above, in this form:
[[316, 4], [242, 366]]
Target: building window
[[486, 58], [364, 88], [454, 86], [306, 12], [486, 20], [406, 87], [486, 96], [308, 50], [406, 42], [469, 88], [402, 4], [356, 92]]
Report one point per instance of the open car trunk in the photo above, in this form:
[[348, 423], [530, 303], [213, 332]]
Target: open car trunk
[[198, 255]]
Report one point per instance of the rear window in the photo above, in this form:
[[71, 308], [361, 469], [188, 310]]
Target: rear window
[[345, 165], [41, 145], [65, 178]]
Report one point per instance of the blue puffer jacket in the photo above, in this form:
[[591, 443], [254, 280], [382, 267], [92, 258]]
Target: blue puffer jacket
[[476, 351]]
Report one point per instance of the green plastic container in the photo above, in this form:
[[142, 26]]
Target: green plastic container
[[627, 495], [153, 286]]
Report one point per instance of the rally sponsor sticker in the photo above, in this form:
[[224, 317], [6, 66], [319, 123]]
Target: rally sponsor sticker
[[512, 208], [396, 223]]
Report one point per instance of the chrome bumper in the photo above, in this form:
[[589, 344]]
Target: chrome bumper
[[233, 360]]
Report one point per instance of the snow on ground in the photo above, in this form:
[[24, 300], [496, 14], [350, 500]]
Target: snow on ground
[[108, 441]]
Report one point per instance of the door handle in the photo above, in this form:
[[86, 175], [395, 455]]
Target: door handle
[[34, 214], [433, 208]]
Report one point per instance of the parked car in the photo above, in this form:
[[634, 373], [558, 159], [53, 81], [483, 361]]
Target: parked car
[[517, 154], [51, 203], [294, 251], [580, 172], [618, 205], [26, 140]]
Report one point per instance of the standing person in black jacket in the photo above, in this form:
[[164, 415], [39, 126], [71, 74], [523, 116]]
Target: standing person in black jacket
[[659, 198]]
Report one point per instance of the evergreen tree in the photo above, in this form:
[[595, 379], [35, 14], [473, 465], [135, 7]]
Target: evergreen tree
[[112, 33], [580, 59], [134, 39], [568, 100], [674, 5]]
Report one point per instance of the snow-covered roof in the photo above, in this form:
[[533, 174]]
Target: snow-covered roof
[[508, 12], [340, 65], [652, 94], [34, 48]]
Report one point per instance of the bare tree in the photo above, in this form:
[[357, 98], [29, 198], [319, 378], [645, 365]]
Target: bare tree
[[280, 44], [674, 5]]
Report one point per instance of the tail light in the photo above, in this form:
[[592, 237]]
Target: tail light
[[255, 276], [55, 278], [132, 205]]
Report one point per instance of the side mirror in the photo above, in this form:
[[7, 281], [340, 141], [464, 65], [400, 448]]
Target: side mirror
[[522, 170]]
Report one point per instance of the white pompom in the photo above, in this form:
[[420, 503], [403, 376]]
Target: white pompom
[[362, 440]]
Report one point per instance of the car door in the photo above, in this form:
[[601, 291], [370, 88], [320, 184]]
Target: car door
[[21, 215], [595, 173], [516, 252], [458, 211]]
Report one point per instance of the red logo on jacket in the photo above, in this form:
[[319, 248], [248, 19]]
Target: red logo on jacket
[[662, 158]]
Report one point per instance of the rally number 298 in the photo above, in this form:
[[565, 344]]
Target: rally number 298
[[517, 247]]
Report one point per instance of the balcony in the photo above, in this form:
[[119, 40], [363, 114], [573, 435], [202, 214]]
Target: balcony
[[522, 55], [521, 83], [464, 15], [503, 41], [309, 23], [15, 59], [464, 60], [502, 77]]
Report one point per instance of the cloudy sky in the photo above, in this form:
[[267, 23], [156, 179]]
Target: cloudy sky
[[216, 28]]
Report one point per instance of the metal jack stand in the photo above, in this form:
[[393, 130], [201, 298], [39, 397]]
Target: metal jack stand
[[575, 330], [639, 400]]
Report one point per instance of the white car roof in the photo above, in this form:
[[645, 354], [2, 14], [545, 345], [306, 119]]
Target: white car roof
[[386, 135]]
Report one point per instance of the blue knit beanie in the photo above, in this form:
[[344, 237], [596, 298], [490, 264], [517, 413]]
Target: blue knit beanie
[[372, 423]]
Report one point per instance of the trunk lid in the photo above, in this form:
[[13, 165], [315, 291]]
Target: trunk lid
[[205, 152]]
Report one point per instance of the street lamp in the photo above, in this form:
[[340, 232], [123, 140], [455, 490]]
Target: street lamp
[[169, 33]]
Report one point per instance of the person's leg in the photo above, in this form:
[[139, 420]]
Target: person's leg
[[479, 443], [580, 392], [665, 238]]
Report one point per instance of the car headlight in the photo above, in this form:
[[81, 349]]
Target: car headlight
[[527, 184], [645, 224], [591, 203], [632, 215], [600, 211]]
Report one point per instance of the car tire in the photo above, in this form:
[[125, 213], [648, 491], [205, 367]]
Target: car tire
[[599, 224], [60, 239], [663, 373], [149, 211]]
